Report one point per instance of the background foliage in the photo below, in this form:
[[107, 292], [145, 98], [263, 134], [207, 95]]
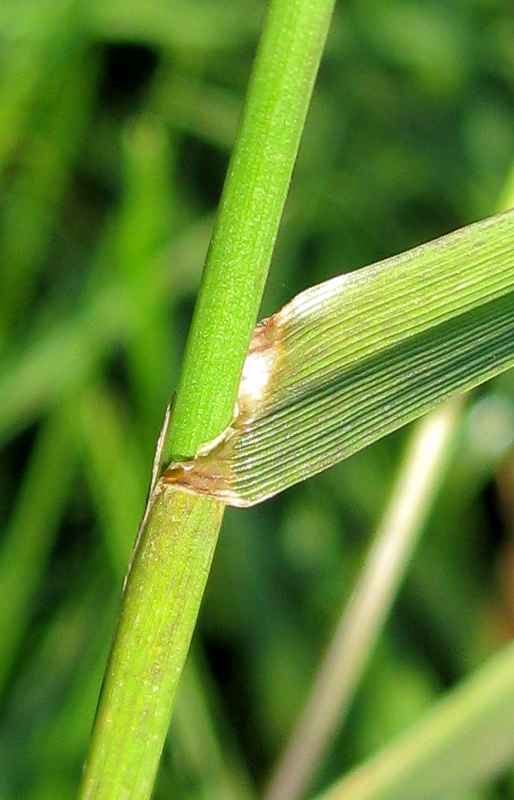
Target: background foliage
[[116, 123]]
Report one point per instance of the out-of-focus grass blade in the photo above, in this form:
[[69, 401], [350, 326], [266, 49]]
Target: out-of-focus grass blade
[[47, 716], [213, 759], [114, 471], [145, 223], [56, 362], [348, 361], [370, 601], [466, 739], [31, 532], [30, 209], [161, 24]]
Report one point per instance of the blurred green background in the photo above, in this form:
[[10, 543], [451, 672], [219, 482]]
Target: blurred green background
[[117, 119]]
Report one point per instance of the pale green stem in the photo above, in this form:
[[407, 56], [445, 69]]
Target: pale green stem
[[157, 618], [371, 600], [465, 739]]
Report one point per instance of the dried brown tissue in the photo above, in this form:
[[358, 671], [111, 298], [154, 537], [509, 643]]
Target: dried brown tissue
[[210, 473]]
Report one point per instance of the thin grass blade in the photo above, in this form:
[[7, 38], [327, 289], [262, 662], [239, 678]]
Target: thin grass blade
[[467, 738]]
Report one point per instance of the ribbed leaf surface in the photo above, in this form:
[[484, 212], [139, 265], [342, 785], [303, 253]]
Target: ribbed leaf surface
[[350, 360]]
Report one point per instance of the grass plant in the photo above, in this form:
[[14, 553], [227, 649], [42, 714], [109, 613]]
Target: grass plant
[[174, 549], [116, 126]]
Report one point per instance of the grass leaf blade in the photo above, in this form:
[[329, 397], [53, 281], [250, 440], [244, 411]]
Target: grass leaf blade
[[357, 357]]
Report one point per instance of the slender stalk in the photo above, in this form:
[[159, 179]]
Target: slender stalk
[[248, 219], [367, 609], [464, 740], [178, 536]]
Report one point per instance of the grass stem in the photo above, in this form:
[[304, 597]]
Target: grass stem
[[174, 552]]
